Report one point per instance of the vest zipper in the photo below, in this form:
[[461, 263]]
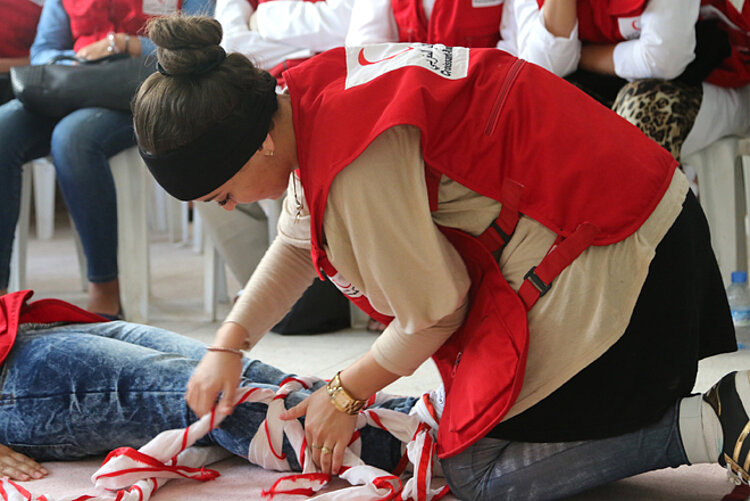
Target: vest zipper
[[455, 364], [502, 95]]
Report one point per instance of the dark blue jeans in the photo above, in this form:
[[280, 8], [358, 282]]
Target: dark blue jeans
[[81, 144], [72, 391], [495, 470]]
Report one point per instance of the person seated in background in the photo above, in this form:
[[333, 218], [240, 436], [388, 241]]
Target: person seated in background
[[725, 108], [278, 34], [75, 385], [18, 20], [462, 23], [688, 83], [82, 142]]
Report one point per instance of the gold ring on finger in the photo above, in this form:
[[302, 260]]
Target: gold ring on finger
[[325, 450], [314, 446]]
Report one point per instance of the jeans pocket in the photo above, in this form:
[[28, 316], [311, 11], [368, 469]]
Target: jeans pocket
[[50, 452]]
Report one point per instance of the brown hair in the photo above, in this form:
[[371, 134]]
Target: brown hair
[[200, 87]]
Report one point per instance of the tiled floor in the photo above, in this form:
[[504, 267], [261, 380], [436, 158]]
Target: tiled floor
[[176, 303]]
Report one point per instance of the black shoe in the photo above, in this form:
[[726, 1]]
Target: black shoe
[[728, 404]]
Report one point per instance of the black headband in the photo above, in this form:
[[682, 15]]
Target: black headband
[[199, 167]]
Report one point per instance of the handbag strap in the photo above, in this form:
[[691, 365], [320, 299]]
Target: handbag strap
[[64, 57], [80, 60]]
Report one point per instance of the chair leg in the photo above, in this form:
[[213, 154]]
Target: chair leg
[[44, 197], [133, 253], [18, 256], [740, 210], [215, 280], [272, 209], [198, 239], [722, 197], [158, 209], [742, 169]]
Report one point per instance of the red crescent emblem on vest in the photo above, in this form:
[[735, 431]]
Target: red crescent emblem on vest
[[362, 60]]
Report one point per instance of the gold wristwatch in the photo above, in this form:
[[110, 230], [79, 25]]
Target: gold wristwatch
[[341, 399]]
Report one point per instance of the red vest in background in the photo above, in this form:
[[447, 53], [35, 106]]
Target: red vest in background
[[254, 3], [734, 17], [505, 129], [92, 20], [608, 21], [466, 23], [18, 20], [15, 310]]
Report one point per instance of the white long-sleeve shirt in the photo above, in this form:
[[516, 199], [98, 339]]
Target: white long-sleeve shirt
[[372, 21], [665, 47], [286, 29]]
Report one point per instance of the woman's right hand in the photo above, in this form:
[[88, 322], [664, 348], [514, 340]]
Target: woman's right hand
[[16, 466], [217, 372]]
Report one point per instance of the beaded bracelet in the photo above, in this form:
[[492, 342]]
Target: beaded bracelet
[[224, 349]]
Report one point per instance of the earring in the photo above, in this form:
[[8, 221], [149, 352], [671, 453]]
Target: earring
[[268, 153]]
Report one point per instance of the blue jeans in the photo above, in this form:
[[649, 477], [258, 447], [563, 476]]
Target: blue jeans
[[72, 391], [494, 469], [81, 144]]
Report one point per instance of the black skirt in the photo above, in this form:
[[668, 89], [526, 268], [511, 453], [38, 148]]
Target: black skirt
[[680, 317]]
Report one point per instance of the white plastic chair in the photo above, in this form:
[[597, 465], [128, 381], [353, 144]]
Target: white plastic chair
[[44, 197], [723, 192], [133, 258], [167, 214]]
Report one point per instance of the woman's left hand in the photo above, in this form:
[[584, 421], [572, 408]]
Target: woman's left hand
[[95, 50], [328, 431]]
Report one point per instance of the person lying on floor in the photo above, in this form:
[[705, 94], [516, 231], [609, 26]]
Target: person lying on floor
[[74, 385]]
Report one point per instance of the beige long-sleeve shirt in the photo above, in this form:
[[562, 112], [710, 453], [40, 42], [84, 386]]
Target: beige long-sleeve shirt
[[383, 239]]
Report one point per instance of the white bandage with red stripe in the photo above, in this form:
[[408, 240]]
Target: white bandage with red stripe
[[130, 475]]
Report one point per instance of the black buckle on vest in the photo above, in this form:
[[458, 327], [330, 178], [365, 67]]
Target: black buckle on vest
[[537, 282], [503, 235]]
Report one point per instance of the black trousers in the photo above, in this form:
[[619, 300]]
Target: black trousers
[[680, 317]]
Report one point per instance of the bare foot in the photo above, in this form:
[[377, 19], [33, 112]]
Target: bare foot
[[104, 297]]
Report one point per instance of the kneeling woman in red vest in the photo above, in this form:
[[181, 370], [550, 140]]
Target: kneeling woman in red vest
[[564, 284]]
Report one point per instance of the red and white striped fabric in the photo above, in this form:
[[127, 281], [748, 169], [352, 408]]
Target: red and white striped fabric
[[130, 475]]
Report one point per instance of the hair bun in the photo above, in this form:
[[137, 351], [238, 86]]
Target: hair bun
[[187, 45]]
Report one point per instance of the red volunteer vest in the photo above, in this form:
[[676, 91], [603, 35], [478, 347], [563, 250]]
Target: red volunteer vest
[[608, 21], [496, 125], [255, 3], [18, 20], [91, 20], [15, 310], [734, 17], [468, 23]]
